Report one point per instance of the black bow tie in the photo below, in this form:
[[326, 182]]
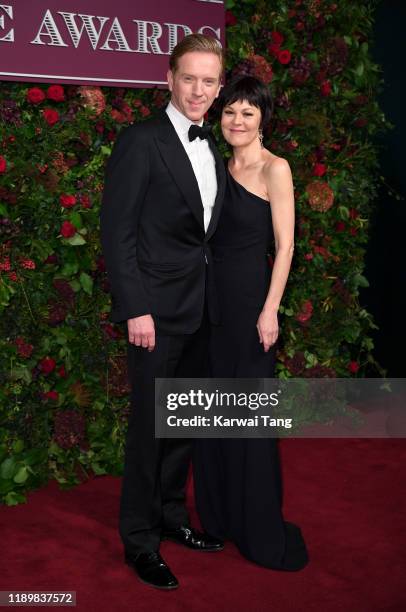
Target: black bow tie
[[197, 131]]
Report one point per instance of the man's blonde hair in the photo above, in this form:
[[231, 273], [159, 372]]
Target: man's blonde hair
[[196, 42]]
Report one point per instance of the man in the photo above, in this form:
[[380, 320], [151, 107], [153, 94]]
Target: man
[[164, 187]]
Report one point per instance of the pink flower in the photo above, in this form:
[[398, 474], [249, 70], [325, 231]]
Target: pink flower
[[28, 264]]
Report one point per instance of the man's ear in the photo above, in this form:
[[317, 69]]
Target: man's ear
[[169, 76], [219, 89]]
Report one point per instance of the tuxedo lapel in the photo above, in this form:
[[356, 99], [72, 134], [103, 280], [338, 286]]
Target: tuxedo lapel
[[221, 185], [178, 164]]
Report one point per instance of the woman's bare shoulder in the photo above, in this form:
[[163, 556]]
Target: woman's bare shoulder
[[276, 166]]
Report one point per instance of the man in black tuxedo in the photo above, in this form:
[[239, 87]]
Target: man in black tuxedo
[[163, 193]]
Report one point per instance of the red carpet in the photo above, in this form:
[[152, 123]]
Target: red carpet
[[347, 495]]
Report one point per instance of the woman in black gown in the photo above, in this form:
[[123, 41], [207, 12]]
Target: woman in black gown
[[238, 485]]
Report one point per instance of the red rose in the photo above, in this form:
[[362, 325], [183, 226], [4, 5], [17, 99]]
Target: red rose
[[145, 112], [340, 226], [35, 95], [3, 164], [47, 365], [353, 213], [51, 116], [52, 395], [319, 169], [68, 229], [56, 93], [284, 56], [277, 38], [67, 201], [61, 371], [231, 19], [308, 256], [353, 367], [325, 88]]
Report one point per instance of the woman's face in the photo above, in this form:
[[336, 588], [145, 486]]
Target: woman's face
[[240, 123]]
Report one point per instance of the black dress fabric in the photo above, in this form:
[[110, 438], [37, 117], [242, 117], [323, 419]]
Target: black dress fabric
[[238, 486]]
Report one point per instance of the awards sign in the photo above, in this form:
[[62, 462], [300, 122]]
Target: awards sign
[[99, 42]]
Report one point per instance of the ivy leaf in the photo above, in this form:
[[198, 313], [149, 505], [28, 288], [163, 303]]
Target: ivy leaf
[[86, 282], [21, 475], [76, 219], [361, 281], [76, 240], [8, 468], [13, 498]]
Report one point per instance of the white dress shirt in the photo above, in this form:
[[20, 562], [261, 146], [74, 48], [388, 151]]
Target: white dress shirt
[[201, 158]]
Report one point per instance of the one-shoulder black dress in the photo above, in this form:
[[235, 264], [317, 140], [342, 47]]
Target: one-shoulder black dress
[[238, 486]]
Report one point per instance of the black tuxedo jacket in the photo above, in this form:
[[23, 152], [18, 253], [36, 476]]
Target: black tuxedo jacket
[[156, 250]]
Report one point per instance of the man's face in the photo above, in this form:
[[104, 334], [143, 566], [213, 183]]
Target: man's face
[[195, 84]]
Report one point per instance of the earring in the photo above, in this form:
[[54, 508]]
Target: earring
[[261, 138]]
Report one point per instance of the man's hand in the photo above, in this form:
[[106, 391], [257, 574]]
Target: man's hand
[[141, 332]]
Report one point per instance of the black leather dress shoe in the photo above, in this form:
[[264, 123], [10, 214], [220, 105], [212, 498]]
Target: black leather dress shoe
[[152, 569], [193, 539]]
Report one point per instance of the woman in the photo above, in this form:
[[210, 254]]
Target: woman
[[237, 481]]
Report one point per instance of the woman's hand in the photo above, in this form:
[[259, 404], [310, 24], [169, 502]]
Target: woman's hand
[[268, 328]]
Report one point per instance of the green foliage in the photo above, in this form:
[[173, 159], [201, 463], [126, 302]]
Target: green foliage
[[63, 389]]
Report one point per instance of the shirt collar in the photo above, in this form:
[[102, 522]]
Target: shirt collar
[[179, 120]]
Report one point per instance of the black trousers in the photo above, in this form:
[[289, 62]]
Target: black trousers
[[155, 470]]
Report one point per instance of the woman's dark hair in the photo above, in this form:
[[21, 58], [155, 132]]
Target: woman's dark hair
[[251, 90]]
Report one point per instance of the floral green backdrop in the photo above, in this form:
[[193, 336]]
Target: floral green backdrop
[[63, 387]]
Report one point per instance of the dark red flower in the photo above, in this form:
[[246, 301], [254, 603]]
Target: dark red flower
[[231, 19], [23, 349], [277, 37], [68, 229], [67, 201], [319, 169], [284, 56], [62, 372], [3, 164], [340, 226], [145, 112], [305, 312], [85, 201], [51, 116], [70, 429], [52, 395], [353, 213], [325, 88], [56, 93], [35, 95], [353, 367], [47, 365]]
